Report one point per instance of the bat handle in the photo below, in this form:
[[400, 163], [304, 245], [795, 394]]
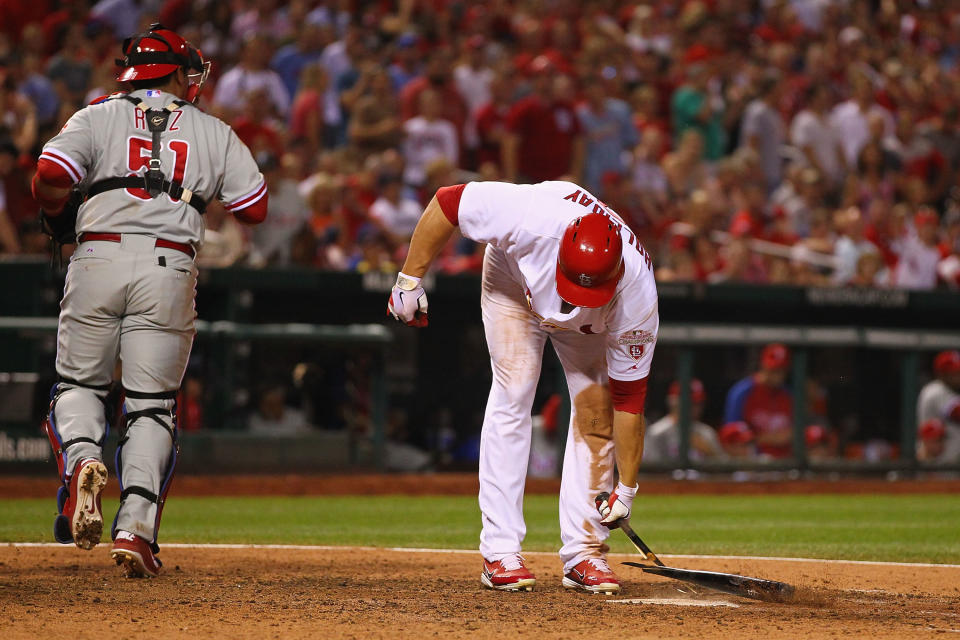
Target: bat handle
[[601, 498]]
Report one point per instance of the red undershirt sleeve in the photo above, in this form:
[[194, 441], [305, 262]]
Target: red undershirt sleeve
[[254, 213], [629, 396], [449, 200], [50, 173]]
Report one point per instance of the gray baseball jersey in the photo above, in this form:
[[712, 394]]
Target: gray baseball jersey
[[128, 296], [111, 139]]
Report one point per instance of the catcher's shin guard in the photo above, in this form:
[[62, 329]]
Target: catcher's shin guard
[[155, 414], [61, 525]]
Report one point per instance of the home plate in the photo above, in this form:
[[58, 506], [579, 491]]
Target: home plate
[[678, 602]]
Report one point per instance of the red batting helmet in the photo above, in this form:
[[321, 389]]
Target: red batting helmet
[[159, 52], [590, 261], [697, 393], [815, 435], [947, 362], [932, 429], [775, 356], [735, 433]]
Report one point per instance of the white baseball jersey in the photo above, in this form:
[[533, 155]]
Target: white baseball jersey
[[527, 222], [111, 139]]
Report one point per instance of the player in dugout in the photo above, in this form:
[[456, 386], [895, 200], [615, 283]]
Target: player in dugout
[[559, 264], [762, 401]]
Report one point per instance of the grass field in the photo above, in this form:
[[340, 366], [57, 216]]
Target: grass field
[[910, 528]]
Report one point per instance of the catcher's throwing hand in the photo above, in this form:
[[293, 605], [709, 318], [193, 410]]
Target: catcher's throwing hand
[[617, 505], [408, 301]]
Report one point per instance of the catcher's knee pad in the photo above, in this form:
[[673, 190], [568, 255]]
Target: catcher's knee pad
[[157, 411], [72, 399]]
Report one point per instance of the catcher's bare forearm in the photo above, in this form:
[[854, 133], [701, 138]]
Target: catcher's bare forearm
[[628, 429], [432, 232]]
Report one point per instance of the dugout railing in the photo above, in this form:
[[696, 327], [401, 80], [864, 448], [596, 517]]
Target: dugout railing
[[681, 341], [222, 338]]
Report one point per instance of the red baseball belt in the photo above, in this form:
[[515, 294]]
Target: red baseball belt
[[116, 237]]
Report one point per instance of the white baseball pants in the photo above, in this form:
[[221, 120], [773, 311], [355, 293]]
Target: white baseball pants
[[515, 340]]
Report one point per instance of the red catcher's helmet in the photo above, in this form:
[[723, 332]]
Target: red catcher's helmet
[[590, 261], [160, 52]]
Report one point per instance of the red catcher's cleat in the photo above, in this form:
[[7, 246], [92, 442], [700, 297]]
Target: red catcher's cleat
[[135, 555], [507, 574], [80, 518], [593, 575]]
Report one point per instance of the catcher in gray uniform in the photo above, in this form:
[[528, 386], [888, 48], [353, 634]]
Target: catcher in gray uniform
[[130, 176]]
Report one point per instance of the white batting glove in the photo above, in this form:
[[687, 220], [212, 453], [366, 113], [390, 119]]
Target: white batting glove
[[408, 301], [618, 505]]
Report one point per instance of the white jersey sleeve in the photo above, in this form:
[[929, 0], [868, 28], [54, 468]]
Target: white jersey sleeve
[[243, 184]]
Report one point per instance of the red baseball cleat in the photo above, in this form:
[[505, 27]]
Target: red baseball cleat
[[507, 574], [80, 519], [135, 555], [593, 575]]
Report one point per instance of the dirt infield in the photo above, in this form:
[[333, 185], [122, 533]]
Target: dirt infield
[[361, 593], [466, 484]]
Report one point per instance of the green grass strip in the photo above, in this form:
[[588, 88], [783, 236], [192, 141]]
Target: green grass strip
[[910, 528]]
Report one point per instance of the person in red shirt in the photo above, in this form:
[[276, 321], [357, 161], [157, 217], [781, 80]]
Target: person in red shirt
[[543, 140], [492, 119], [255, 127], [764, 404]]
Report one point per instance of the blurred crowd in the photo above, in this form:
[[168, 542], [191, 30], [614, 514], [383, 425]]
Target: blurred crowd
[[805, 142]]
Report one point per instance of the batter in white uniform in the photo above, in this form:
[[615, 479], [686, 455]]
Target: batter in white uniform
[[146, 162], [561, 265]]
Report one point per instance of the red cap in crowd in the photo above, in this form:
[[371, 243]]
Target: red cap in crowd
[[947, 362], [736, 433], [775, 356], [696, 53], [697, 393], [932, 429], [926, 216], [742, 224], [816, 435]]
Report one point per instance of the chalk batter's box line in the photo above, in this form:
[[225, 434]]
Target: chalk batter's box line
[[314, 547]]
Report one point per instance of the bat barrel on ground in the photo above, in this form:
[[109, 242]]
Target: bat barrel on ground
[[744, 586], [737, 585]]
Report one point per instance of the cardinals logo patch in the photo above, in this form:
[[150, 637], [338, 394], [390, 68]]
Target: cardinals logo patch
[[636, 351]]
